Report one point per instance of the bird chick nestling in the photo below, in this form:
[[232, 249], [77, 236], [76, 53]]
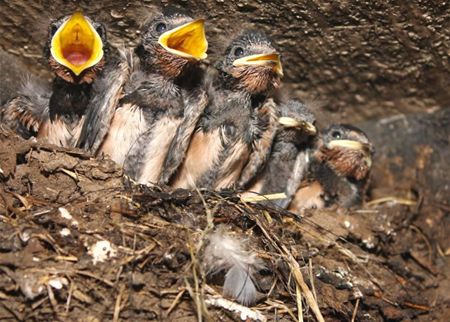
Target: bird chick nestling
[[75, 50], [339, 170], [161, 88], [234, 134]]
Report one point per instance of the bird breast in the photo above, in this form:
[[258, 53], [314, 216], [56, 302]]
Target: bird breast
[[127, 125], [203, 153]]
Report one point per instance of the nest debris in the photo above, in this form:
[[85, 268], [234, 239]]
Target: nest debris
[[80, 243]]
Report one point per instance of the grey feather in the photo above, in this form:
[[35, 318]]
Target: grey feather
[[107, 92], [194, 107], [227, 253], [239, 285], [301, 165], [26, 112]]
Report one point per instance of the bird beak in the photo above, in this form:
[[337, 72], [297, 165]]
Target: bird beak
[[307, 127], [188, 40], [353, 145], [261, 60], [76, 44]]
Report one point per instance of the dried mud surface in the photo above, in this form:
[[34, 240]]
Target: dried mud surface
[[386, 261], [354, 60]]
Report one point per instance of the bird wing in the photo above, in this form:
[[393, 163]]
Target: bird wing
[[266, 119], [107, 92], [195, 104], [25, 113], [298, 173]]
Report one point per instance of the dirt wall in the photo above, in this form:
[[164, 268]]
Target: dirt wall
[[361, 60]]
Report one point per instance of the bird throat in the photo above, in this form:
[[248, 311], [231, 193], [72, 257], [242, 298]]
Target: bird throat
[[77, 54]]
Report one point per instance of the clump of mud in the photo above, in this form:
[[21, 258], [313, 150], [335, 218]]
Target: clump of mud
[[80, 243]]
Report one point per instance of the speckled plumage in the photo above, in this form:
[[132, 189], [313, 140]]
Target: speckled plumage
[[58, 114], [289, 156], [155, 101], [235, 122], [336, 175]]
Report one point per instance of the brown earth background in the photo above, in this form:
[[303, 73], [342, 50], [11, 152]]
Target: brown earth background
[[383, 65], [359, 60]]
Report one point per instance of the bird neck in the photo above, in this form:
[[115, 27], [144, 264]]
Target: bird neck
[[156, 60], [68, 99], [228, 82]]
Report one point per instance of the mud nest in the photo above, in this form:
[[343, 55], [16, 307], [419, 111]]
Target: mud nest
[[80, 243]]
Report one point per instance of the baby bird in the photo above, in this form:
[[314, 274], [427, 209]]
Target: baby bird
[[339, 170], [160, 89], [76, 51], [289, 157], [238, 121]]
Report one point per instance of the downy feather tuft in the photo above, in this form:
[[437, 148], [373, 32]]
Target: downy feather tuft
[[226, 252]]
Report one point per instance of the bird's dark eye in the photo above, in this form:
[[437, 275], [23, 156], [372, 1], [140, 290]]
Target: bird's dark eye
[[53, 29], [336, 134], [100, 30], [238, 51], [161, 27]]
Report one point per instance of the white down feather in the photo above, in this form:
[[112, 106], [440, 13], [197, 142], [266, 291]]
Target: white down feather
[[226, 252]]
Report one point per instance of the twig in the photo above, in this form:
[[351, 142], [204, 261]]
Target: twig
[[175, 301], [299, 303], [295, 269], [258, 198], [195, 294], [425, 239], [355, 310], [10, 310], [51, 297], [245, 313], [401, 201], [283, 307], [117, 305], [69, 297], [111, 284], [311, 279], [417, 306]]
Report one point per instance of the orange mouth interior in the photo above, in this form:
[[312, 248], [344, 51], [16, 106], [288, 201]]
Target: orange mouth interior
[[77, 54], [187, 41], [76, 44]]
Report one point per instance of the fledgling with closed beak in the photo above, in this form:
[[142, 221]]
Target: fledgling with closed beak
[[339, 171], [163, 88], [289, 157], [235, 132], [76, 51]]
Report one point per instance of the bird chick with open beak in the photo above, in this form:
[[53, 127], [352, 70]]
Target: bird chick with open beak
[[76, 51], [339, 170], [161, 90], [239, 116], [289, 158]]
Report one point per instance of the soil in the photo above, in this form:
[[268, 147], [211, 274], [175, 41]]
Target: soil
[[79, 242]]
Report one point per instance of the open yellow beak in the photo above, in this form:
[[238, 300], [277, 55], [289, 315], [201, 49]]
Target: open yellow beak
[[76, 44], [188, 40], [353, 145], [261, 59], [308, 127]]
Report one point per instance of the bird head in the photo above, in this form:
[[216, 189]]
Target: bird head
[[347, 150], [171, 41], [253, 63], [296, 123], [75, 48]]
